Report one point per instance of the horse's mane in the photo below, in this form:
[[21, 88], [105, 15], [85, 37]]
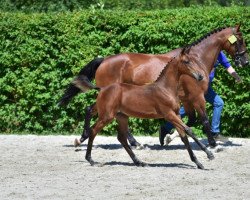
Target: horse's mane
[[191, 45], [164, 69], [206, 36]]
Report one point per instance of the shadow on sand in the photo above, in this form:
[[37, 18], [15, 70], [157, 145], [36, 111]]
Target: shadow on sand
[[157, 147], [131, 164]]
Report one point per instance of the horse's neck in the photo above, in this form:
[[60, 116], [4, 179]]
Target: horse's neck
[[169, 78], [209, 49]]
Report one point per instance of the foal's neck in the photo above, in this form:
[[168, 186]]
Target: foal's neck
[[169, 77]]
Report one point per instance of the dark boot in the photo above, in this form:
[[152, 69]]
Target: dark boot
[[162, 134]]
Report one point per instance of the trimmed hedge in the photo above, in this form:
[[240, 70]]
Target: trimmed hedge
[[41, 53], [76, 5]]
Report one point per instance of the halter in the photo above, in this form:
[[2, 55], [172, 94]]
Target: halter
[[238, 54]]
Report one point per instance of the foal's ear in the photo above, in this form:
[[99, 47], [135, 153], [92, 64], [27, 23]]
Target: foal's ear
[[185, 50]]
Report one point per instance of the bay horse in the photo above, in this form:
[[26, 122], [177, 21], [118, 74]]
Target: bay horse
[[140, 69], [155, 100]]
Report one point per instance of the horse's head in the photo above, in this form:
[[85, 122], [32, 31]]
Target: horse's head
[[236, 47], [188, 65]]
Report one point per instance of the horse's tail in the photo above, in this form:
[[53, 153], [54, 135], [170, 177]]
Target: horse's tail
[[83, 83], [86, 74]]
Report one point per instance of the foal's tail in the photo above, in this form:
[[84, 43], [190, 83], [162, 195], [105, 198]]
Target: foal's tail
[[84, 77]]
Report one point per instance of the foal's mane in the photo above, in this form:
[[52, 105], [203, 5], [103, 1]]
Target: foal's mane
[[164, 69], [206, 36]]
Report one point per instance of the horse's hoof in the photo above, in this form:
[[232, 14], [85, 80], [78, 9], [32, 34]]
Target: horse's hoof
[[168, 139], [215, 149], [139, 147], [200, 166], [134, 144], [210, 155], [77, 142]]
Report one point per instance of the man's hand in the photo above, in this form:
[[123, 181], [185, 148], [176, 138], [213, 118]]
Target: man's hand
[[237, 77]]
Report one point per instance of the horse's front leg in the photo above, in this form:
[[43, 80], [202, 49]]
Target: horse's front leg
[[122, 137], [90, 111], [201, 109]]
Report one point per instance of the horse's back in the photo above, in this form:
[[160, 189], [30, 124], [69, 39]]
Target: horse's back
[[135, 68]]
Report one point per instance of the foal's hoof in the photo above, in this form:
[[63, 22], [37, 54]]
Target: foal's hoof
[[77, 142], [92, 162], [141, 164]]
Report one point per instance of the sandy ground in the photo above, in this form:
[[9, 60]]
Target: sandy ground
[[49, 167]]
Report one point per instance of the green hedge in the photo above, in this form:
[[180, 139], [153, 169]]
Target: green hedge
[[41, 53], [74, 5]]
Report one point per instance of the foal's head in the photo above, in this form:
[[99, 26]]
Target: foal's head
[[236, 47], [188, 65]]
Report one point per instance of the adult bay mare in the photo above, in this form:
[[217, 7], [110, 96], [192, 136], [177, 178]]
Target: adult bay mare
[[156, 100], [140, 69]]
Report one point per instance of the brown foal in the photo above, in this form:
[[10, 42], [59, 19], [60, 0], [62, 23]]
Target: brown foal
[[155, 100]]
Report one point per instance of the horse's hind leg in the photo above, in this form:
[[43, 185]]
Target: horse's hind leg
[[89, 112], [122, 137], [133, 142]]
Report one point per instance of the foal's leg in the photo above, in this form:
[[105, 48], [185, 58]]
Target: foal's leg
[[130, 137], [184, 139], [201, 145], [180, 126], [93, 132], [89, 112], [122, 137]]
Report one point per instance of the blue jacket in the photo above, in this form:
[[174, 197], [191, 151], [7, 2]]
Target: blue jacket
[[222, 59]]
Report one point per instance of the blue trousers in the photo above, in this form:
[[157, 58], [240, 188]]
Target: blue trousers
[[216, 101]]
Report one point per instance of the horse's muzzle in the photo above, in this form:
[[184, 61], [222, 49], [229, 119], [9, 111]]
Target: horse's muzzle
[[197, 76]]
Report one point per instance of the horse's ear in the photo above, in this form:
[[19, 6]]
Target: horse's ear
[[185, 50], [238, 28]]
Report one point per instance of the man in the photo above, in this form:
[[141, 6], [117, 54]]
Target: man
[[213, 98]]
